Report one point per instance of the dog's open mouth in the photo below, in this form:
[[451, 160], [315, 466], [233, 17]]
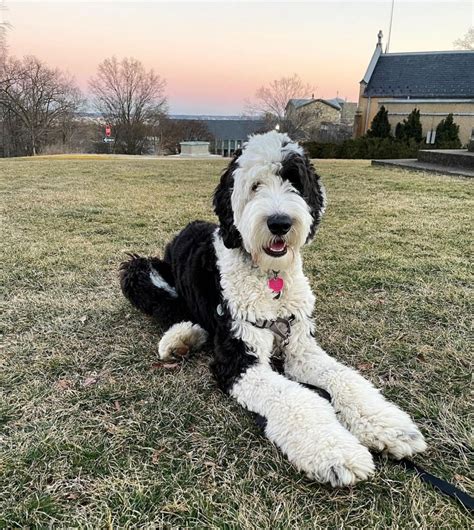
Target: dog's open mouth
[[277, 248]]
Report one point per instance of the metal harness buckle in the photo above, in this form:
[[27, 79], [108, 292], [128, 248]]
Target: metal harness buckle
[[280, 327]]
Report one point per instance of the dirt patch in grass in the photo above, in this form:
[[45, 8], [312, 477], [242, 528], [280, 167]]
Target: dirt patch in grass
[[93, 434]]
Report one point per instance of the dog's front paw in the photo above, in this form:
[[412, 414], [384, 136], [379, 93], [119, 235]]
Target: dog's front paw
[[392, 431], [385, 428], [343, 466], [327, 454]]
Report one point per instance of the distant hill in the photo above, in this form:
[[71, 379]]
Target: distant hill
[[203, 117]]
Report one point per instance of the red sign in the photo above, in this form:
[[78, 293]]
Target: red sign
[[108, 131]]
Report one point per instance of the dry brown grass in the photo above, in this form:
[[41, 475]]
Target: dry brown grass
[[93, 436]]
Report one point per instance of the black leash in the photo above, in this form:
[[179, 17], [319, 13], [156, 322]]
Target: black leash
[[441, 485]]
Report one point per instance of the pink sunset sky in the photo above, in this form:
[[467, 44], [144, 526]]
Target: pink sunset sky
[[214, 55]]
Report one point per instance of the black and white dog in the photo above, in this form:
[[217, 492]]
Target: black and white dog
[[241, 284]]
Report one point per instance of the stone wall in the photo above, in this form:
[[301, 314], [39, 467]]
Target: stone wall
[[348, 112], [308, 119], [319, 112], [194, 148]]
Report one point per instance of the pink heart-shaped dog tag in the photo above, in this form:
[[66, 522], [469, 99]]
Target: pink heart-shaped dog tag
[[276, 284]]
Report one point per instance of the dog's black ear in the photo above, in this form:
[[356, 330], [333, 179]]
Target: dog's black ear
[[300, 172], [223, 206]]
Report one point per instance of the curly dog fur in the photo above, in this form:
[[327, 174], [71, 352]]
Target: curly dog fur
[[235, 283]]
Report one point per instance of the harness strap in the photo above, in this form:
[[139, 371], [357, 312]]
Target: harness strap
[[281, 327]]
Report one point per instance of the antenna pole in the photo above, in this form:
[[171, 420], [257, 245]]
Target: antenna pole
[[390, 27]]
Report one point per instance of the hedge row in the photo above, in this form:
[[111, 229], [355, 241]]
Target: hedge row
[[365, 147]]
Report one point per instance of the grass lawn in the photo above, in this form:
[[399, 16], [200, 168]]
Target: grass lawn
[[94, 434]]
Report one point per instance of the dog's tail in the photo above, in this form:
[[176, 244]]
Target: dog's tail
[[148, 284]]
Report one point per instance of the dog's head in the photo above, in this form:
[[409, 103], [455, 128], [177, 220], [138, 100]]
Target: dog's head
[[269, 200]]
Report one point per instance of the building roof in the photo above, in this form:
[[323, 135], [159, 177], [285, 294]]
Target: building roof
[[239, 129], [422, 75], [335, 102], [298, 103], [373, 61]]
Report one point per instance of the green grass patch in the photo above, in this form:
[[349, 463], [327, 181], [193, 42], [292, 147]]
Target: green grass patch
[[93, 435]]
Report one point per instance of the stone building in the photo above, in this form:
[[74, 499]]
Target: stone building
[[313, 118], [314, 111], [435, 83]]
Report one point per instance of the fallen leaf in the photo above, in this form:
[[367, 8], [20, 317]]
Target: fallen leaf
[[421, 357], [156, 366], [171, 366], [165, 366], [156, 455], [64, 384], [365, 366], [89, 381], [459, 478], [83, 319], [117, 406]]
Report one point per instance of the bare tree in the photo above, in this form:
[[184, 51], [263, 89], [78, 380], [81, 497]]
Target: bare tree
[[4, 27], [466, 42], [173, 131], [35, 100], [271, 100], [131, 99], [301, 123]]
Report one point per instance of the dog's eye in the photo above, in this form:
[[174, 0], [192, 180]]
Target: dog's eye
[[256, 186]]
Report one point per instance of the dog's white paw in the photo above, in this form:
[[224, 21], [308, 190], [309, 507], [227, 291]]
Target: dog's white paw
[[327, 454], [179, 339], [343, 467], [384, 428]]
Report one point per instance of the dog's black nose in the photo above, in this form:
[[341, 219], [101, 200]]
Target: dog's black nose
[[279, 224]]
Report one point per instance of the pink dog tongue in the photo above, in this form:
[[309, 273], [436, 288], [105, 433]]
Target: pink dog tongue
[[276, 284], [277, 246]]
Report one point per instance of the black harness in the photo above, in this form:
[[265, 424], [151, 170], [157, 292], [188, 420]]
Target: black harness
[[280, 327]]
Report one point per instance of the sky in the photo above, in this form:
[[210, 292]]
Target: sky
[[214, 55]]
